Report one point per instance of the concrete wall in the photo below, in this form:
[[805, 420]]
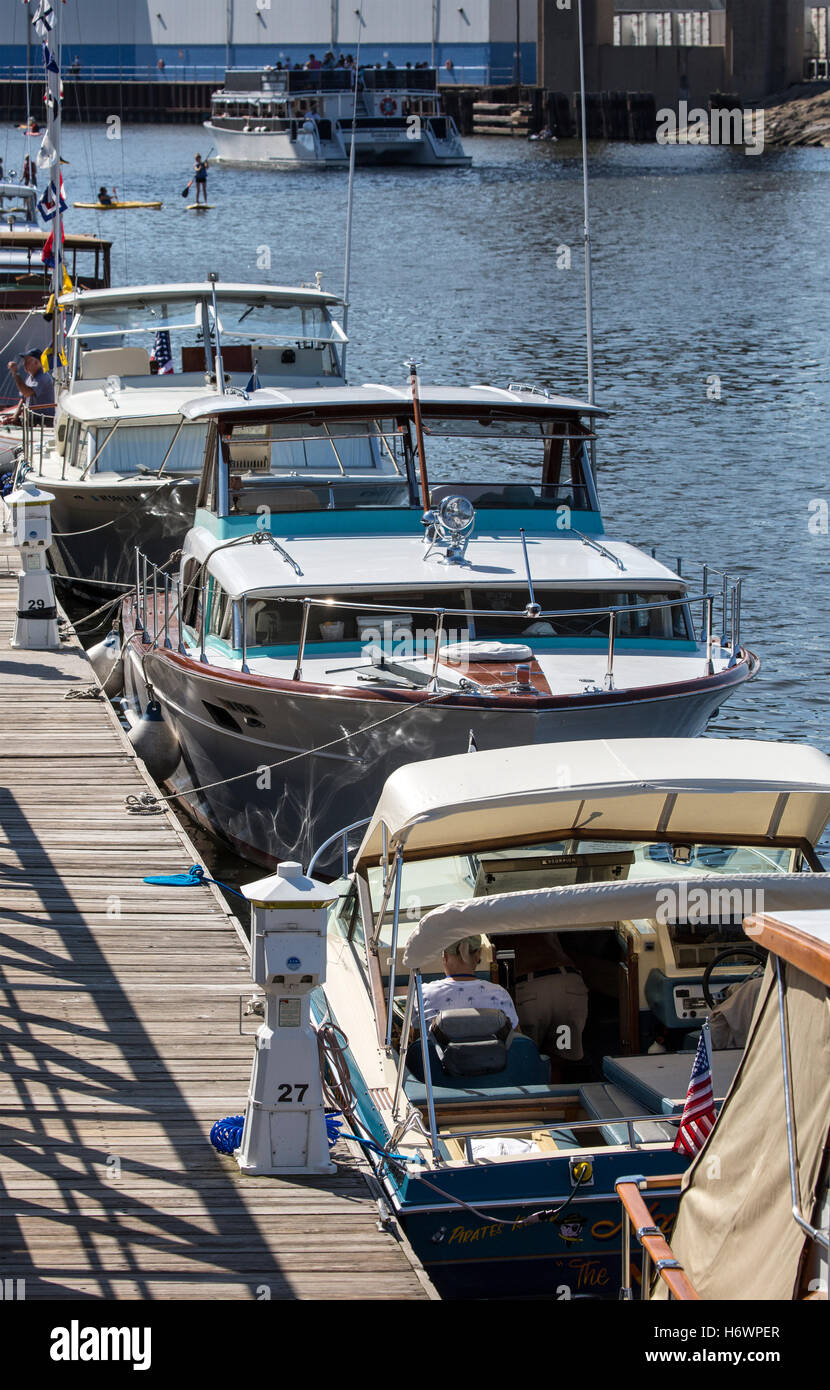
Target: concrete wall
[[764, 45], [558, 45], [763, 53], [672, 74]]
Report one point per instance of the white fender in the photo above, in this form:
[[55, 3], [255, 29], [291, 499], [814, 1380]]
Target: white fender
[[155, 743], [107, 663]]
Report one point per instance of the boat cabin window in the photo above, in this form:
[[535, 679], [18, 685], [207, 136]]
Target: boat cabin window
[[405, 633], [140, 448], [299, 449]]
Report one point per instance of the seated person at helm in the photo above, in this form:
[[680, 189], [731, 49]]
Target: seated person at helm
[[462, 989], [551, 996]]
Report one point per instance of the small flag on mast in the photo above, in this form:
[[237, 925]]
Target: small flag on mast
[[698, 1116]]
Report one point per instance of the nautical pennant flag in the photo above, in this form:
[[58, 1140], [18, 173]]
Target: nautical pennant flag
[[698, 1116], [43, 19], [50, 62], [45, 157], [48, 204], [162, 354]]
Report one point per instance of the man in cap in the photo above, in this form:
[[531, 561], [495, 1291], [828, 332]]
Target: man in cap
[[37, 390]]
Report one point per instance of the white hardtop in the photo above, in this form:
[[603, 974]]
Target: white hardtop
[[198, 289], [678, 787], [372, 399], [126, 404], [363, 561]]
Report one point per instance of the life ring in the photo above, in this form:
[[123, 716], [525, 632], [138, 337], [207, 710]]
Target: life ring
[[388, 106]]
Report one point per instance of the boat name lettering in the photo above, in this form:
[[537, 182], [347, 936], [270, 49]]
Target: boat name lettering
[[591, 1274], [607, 1230], [462, 1235]]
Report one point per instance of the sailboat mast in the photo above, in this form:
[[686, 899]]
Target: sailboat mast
[[589, 308], [348, 266], [53, 131]]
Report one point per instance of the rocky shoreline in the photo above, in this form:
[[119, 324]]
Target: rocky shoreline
[[800, 116]]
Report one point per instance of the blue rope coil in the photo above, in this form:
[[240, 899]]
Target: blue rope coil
[[226, 1135], [194, 878], [334, 1120]]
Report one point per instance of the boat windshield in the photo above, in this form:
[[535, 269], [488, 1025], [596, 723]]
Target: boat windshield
[[429, 883], [239, 320], [17, 206]]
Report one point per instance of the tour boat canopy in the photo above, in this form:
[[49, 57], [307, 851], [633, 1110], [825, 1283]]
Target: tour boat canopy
[[664, 788]]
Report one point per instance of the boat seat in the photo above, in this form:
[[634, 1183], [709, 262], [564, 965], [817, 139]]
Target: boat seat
[[602, 1101], [114, 361], [658, 1082], [471, 1046], [478, 1091]]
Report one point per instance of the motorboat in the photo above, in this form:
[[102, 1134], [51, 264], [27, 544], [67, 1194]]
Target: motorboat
[[336, 613], [121, 461], [287, 118], [643, 857]]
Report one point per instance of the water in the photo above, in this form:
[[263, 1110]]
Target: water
[[707, 263]]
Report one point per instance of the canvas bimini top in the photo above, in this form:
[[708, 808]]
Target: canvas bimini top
[[695, 788]]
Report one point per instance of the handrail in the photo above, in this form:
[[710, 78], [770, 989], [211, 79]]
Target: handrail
[[338, 834], [655, 1247], [612, 611]]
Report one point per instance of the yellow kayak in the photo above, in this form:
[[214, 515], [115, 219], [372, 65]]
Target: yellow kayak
[[105, 207]]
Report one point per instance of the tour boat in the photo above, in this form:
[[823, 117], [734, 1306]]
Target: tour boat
[[298, 118], [337, 614], [122, 462], [643, 856]]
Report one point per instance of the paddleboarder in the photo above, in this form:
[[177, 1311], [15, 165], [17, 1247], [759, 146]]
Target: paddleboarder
[[200, 173]]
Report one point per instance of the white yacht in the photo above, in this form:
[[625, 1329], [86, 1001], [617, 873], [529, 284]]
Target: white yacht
[[341, 614], [295, 118], [122, 461]]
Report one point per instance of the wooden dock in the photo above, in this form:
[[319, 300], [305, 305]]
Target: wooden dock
[[120, 1042]]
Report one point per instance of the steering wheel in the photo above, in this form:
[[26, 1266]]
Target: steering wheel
[[753, 953]]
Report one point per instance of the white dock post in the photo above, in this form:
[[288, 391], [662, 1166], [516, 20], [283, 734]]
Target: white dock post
[[285, 1126], [36, 626]]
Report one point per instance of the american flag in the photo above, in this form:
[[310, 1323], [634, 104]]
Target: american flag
[[699, 1111], [162, 354]]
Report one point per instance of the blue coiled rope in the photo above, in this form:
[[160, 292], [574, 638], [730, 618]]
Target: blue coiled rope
[[226, 1135], [194, 878]]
